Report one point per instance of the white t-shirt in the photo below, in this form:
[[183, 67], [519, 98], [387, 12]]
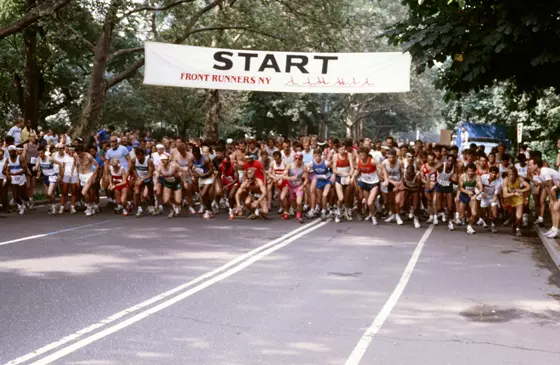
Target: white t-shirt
[[51, 140], [270, 150], [548, 174], [121, 152], [288, 159], [16, 133], [69, 166]]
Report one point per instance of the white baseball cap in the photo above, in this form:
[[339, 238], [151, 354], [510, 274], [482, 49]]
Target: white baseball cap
[[159, 145], [12, 148]]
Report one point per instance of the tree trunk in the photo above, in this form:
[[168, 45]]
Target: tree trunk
[[212, 119], [31, 94], [98, 85], [303, 127]]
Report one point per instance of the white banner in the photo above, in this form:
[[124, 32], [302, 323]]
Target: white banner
[[215, 68]]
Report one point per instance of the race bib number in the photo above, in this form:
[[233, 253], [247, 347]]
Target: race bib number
[[488, 190], [444, 183], [33, 160], [53, 179], [199, 170], [432, 177], [345, 180], [18, 179]]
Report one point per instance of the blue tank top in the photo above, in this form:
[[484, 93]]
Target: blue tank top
[[321, 169], [200, 167]]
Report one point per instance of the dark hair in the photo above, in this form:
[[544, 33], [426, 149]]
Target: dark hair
[[79, 148], [348, 142], [9, 139], [316, 151], [111, 128], [472, 146], [521, 158], [276, 154], [392, 152], [40, 148], [506, 157], [494, 169], [389, 137], [471, 166], [363, 150], [140, 150]]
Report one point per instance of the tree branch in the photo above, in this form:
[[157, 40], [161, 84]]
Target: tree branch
[[40, 11], [249, 29], [194, 19], [153, 8], [121, 52], [126, 73], [154, 27], [78, 35]]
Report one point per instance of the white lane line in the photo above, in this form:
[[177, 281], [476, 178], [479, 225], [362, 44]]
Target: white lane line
[[116, 316], [52, 233], [138, 317], [365, 341]]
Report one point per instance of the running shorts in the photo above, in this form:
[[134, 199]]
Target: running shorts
[[296, 191], [464, 198], [367, 186], [67, 179], [343, 180], [444, 189], [175, 185], [280, 185], [84, 178], [322, 183], [19, 180], [53, 179]]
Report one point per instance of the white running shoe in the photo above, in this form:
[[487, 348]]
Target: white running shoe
[[390, 219], [518, 232], [480, 222], [88, 211], [399, 220], [125, 212], [553, 233], [53, 209], [192, 211], [201, 210], [416, 223], [73, 210], [171, 214], [430, 220], [337, 217], [206, 215], [470, 230], [292, 212], [61, 209], [443, 217], [215, 207], [450, 226], [21, 208], [348, 215], [435, 220], [368, 218], [280, 210], [373, 221], [457, 218], [493, 227], [310, 214], [140, 212], [540, 220]]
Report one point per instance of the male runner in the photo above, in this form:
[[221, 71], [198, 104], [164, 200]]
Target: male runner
[[86, 175]]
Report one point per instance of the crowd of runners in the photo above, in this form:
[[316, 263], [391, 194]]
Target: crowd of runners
[[305, 178]]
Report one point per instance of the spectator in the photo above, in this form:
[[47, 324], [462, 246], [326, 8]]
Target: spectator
[[26, 131], [15, 131], [104, 135], [50, 138]]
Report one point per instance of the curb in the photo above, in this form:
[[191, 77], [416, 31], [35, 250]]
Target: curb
[[550, 244]]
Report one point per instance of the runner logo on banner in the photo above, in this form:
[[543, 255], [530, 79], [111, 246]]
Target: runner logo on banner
[[215, 68]]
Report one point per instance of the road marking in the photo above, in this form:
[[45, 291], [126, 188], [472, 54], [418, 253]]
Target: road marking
[[365, 341], [52, 233], [243, 259]]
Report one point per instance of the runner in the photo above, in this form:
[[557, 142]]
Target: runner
[[276, 174], [86, 175], [367, 179], [468, 182], [411, 188], [183, 158], [230, 184], [514, 188], [169, 173], [321, 184], [15, 170], [429, 173], [143, 173], [30, 152], [296, 175], [118, 183], [69, 178], [550, 179], [491, 185], [444, 189], [203, 174], [254, 192], [393, 179], [343, 170], [3, 182]]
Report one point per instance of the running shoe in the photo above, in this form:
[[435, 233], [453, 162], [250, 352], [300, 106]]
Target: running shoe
[[470, 230], [171, 214], [89, 211], [231, 214], [390, 219], [61, 210], [399, 220], [285, 216], [373, 221], [493, 228], [337, 217], [139, 213], [518, 232], [201, 210], [368, 218], [430, 220], [540, 221], [21, 209], [416, 223], [348, 215], [73, 210], [310, 214], [280, 210], [436, 222], [215, 207], [192, 211], [525, 220], [450, 226], [292, 212], [552, 234], [300, 220], [323, 215]]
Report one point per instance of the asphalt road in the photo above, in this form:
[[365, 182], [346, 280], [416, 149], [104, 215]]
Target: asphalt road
[[111, 290]]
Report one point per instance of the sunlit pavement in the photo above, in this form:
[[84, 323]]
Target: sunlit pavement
[[112, 290]]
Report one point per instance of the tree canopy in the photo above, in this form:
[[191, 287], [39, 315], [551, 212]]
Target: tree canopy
[[477, 43]]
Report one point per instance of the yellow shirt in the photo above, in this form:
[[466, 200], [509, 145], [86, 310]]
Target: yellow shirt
[[25, 134]]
